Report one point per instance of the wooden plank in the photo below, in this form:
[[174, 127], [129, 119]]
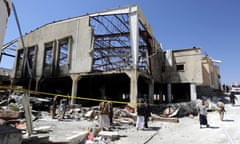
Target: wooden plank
[[164, 119]]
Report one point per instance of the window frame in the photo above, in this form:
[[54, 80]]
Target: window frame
[[180, 67]]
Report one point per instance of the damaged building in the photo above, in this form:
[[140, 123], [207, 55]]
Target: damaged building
[[111, 53], [188, 75]]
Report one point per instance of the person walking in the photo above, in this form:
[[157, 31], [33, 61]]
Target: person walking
[[232, 98], [147, 113], [140, 115], [104, 109], [221, 109], [203, 114]]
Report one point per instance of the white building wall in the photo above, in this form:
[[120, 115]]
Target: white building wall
[[210, 73], [80, 32], [191, 59]]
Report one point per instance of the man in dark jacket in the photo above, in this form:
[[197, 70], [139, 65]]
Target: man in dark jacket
[[147, 113]]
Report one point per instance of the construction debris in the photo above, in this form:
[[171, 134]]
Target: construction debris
[[164, 119], [11, 114], [8, 114]]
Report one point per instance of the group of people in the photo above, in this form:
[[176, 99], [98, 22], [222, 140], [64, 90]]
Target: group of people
[[143, 114], [106, 114], [202, 109]]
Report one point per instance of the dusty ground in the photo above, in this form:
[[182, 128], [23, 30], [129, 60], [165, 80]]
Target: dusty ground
[[187, 131]]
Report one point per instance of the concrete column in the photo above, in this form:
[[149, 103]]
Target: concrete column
[[169, 96], [150, 91], [193, 92], [133, 86], [134, 36], [75, 78], [37, 83]]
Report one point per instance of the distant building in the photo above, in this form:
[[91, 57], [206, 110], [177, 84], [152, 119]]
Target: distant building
[[186, 74]]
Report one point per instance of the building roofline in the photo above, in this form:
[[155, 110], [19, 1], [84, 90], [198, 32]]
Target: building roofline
[[119, 10], [186, 49]]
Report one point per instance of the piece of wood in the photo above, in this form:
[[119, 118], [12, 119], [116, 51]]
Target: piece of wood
[[164, 119]]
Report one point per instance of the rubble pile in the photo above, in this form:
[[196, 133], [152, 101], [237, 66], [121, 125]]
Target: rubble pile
[[12, 113]]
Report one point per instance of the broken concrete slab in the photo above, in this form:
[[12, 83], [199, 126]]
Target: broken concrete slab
[[110, 135], [75, 137]]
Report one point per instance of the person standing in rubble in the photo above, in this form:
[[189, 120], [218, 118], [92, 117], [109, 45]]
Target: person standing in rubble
[[140, 115], [104, 109], [202, 108], [62, 109], [53, 107], [110, 112], [232, 98], [147, 113]]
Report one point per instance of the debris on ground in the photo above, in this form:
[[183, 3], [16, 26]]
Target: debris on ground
[[12, 114], [164, 119]]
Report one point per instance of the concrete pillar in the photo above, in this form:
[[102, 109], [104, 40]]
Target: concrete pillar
[[133, 86], [75, 78], [193, 92], [150, 91], [37, 83], [134, 37], [169, 96]]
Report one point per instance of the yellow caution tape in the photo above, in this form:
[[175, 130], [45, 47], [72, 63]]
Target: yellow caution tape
[[71, 97]]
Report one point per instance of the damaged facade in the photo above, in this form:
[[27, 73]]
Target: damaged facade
[[187, 75], [111, 53]]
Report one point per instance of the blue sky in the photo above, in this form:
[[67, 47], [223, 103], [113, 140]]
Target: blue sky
[[213, 25]]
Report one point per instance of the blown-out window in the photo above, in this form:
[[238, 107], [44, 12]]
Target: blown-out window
[[63, 52], [180, 67], [48, 57], [31, 56], [19, 66]]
